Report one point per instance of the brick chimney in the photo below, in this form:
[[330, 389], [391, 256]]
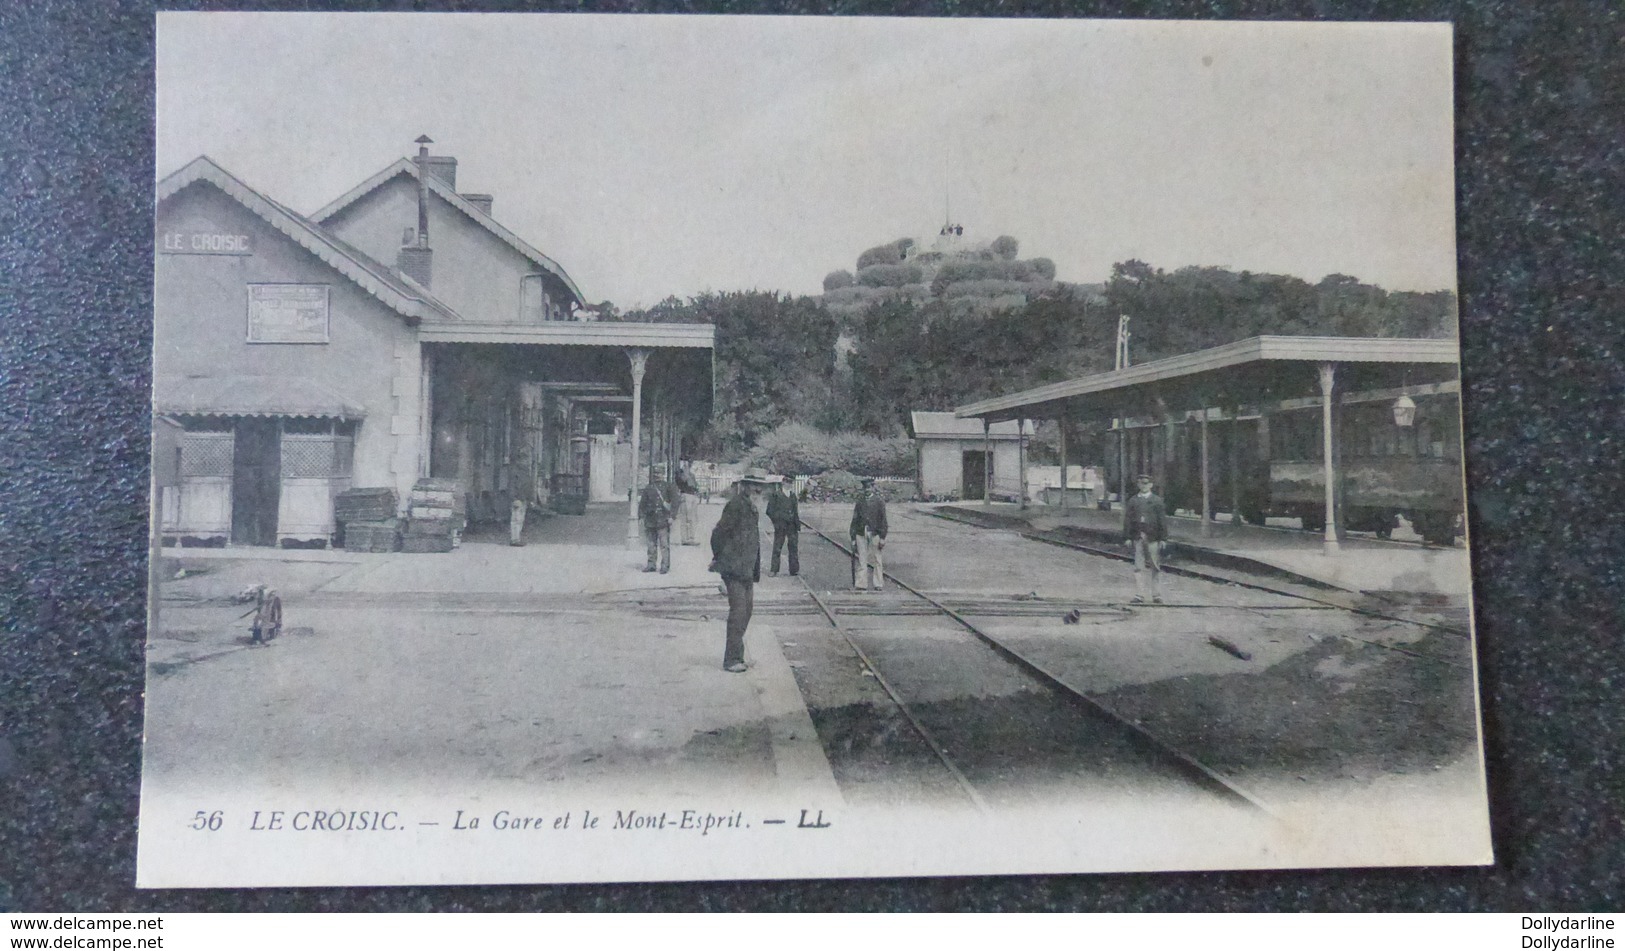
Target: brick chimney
[[482, 202], [416, 263], [415, 259], [444, 167]]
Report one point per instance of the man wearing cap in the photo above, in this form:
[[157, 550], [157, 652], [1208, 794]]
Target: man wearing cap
[[736, 555], [868, 535], [1145, 527], [656, 506]]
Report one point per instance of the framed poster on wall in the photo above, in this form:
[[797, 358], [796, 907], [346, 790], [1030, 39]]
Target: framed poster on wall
[[287, 313]]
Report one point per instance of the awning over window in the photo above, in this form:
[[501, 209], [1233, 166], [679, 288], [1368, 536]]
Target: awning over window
[[252, 396]]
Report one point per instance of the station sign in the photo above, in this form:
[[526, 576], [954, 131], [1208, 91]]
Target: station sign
[[203, 242]]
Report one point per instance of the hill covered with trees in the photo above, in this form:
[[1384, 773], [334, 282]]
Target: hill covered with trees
[[967, 278], [930, 330]]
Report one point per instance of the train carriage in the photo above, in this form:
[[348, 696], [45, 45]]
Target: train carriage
[[1270, 465]]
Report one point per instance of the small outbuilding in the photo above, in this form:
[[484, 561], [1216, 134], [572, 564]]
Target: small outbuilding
[[956, 459]]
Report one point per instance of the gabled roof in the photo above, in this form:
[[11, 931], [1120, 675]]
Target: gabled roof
[[927, 425], [410, 169], [397, 291]]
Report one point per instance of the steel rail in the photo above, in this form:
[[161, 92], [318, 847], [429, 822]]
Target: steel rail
[[1179, 570], [902, 705], [1194, 769]]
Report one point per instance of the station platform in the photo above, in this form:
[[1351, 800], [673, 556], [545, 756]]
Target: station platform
[[1361, 565], [614, 686]]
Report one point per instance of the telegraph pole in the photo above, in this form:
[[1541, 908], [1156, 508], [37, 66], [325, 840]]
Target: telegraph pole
[[1122, 421]]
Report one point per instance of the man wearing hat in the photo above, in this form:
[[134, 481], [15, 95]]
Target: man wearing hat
[[736, 555], [868, 535], [1145, 527], [657, 504], [785, 513]]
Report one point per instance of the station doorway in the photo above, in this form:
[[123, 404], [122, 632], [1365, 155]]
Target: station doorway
[[256, 481], [974, 473]]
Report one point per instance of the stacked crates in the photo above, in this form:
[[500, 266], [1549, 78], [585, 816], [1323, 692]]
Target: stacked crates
[[435, 517], [367, 519], [379, 536]]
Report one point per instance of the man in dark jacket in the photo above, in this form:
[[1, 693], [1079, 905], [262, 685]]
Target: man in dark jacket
[[785, 513], [1145, 526], [736, 555], [868, 535], [657, 506]]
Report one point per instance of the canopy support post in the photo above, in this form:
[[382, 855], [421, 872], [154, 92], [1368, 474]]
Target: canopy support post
[[1062, 423], [1021, 460], [1206, 490], [640, 362], [1328, 381]]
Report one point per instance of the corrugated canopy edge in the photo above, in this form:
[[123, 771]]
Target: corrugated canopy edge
[[251, 396]]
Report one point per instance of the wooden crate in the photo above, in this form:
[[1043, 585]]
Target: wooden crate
[[426, 544]]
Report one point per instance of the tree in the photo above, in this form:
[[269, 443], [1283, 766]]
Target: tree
[[1198, 307], [1005, 247], [835, 280], [775, 356]]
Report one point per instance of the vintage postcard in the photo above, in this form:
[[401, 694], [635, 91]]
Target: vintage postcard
[[607, 448]]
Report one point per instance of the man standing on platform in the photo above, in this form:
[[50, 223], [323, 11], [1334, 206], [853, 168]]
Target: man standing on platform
[[1145, 527], [688, 492], [736, 555], [657, 505], [785, 513], [868, 534]]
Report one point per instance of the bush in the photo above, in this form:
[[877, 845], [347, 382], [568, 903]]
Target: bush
[[1005, 247], [855, 294], [837, 485], [799, 449], [890, 275], [793, 449], [892, 253], [836, 280], [988, 288], [1044, 268]]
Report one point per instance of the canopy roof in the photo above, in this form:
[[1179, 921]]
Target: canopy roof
[[1248, 372], [929, 425], [573, 333], [252, 396]]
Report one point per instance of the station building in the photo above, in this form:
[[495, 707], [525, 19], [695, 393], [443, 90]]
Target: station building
[[397, 334], [960, 459]]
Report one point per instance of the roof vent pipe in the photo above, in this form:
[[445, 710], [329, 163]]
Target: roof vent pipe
[[414, 259], [423, 190]]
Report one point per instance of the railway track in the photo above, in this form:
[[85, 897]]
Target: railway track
[[1328, 599], [1066, 723]]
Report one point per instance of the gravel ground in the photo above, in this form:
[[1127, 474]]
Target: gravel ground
[[1326, 699]]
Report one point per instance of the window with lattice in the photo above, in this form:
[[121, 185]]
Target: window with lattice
[[206, 455], [316, 456]]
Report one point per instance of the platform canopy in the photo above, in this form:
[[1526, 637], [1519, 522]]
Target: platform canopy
[[574, 333], [239, 395], [1251, 372]]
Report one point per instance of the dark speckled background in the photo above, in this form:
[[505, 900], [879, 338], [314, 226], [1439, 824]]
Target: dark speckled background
[[1541, 170]]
